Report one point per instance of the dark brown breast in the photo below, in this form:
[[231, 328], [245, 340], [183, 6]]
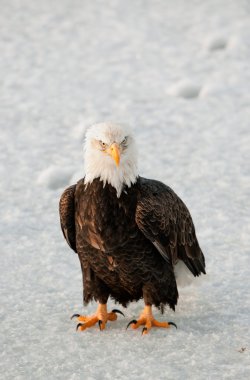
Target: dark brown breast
[[105, 221]]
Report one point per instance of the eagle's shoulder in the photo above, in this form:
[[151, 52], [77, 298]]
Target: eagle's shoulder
[[155, 194]]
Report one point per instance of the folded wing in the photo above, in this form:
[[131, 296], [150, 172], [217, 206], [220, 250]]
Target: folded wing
[[67, 216], [165, 220]]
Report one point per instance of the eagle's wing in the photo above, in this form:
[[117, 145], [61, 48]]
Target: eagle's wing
[[67, 215], [166, 222]]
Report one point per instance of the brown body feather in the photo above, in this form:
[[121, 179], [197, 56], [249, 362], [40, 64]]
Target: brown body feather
[[128, 246]]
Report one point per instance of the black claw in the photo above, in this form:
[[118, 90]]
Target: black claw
[[100, 323], [130, 323], [118, 311], [79, 324], [173, 324], [75, 316], [144, 329]]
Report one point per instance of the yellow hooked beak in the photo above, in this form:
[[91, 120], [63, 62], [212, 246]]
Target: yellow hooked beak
[[114, 152]]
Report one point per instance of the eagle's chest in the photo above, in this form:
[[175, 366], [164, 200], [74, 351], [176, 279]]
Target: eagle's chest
[[107, 222]]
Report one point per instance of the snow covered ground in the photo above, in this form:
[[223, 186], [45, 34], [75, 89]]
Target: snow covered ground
[[178, 72]]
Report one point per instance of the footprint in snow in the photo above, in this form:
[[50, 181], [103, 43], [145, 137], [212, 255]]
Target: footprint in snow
[[216, 43], [185, 89], [55, 177]]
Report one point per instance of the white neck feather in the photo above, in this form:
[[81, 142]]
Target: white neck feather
[[97, 164]]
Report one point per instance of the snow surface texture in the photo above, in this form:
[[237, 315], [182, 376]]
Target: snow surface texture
[[178, 73]]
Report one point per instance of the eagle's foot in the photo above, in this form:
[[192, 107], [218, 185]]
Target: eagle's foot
[[147, 319], [101, 316]]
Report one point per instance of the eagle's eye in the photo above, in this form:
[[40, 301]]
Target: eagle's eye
[[124, 142], [102, 145]]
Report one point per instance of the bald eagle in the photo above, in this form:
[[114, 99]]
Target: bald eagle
[[129, 232]]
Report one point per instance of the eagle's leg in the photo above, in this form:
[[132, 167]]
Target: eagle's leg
[[147, 319], [101, 316]]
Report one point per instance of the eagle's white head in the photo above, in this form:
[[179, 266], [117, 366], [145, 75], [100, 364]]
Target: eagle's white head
[[111, 155]]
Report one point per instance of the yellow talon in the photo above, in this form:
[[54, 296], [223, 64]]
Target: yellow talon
[[147, 319], [101, 316]]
